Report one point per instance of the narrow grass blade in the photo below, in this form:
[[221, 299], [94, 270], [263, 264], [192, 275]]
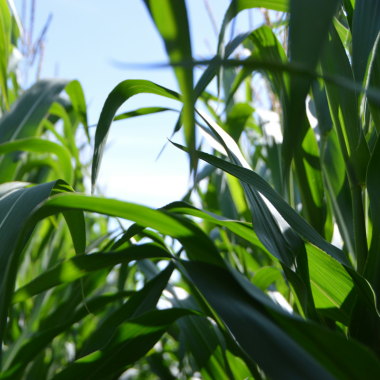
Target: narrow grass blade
[[141, 112], [142, 301], [131, 341], [79, 266]]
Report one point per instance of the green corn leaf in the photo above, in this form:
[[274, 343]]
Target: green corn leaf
[[310, 181], [308, 28], [139, 303], [24, 118], [306, 156], [365, 29], [134, 230], [65, 310], [237, 119], [170, 18], [342, 31], [333, 288], [130, 342], [58, 110], [141, 112], [258, 322], [16, 206], [344, 109], [265, 276], [200, 338], [238, 6], [373, 81], [75, 92], [325, 123], [295, 221], [38, 341], [119, 95], [233, 10], [364, 324], [212, 68], [240, 228], [268, 49], [339, 189], [349, 6], [198, 246], [38, 163], [77, 226], [79, 266], [345, 113], [274, 233], [38, 145], [283, 345], [5, 42]]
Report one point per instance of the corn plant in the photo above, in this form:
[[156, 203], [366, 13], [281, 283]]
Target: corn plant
[[256, 288]]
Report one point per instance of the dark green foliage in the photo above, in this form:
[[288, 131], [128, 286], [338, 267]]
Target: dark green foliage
[[247, 262]]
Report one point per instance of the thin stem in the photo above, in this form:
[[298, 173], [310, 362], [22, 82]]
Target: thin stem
[[212, 18]]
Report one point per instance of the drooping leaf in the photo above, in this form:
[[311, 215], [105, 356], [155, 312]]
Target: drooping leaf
[[333, 288], [38, 145], [277, 340], [119, 95], [295, 221], [272, 230]]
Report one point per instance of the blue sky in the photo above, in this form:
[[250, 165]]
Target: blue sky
[[84, 39]]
